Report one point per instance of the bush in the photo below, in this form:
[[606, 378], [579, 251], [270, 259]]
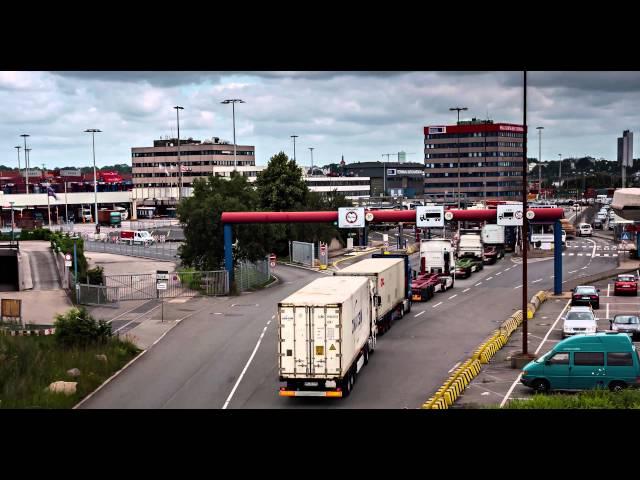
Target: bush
[[590, 399], [77, 328], [95, 276]]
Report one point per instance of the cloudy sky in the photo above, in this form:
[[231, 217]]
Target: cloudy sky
[[360, 115]]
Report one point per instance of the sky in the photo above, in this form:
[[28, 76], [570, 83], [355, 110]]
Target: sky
[[360, 115]]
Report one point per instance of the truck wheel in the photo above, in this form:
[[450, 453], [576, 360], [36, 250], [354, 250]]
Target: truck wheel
[[366, 355]]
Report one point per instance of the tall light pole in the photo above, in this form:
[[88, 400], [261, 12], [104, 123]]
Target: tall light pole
[[458, 109], [539, 160], [26, 161], [233, 102], [178, 108], [12, 222], [311, 150], [560, 173], [93, 132], [18, 148], [294, 146]]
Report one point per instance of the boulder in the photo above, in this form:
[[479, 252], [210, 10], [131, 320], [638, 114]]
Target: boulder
[[68, 388], [74, 372], [102, 357]]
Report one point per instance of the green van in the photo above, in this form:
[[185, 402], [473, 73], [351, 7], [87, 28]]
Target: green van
[[601, 360]]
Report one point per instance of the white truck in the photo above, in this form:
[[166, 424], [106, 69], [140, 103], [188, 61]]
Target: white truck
[[437, 267], [326, 331], [470, 244], [493, 238], [391, 278]]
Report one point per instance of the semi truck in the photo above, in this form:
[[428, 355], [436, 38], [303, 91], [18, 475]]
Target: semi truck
[[470, 243], [390, 275], [326, 331], [436, 269], [109, 218], [493, 238]]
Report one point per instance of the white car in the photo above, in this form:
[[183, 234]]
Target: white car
[[585, 230], [579, 320], [601, 216]]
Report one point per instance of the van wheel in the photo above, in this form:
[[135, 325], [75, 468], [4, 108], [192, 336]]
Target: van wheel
[[617, 386], [540, 385]]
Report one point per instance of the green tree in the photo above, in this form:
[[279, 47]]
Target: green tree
[[201, 215], [280, 186]]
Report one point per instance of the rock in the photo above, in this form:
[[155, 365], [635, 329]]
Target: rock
[[74, 372], [102, 357], [68, 388]]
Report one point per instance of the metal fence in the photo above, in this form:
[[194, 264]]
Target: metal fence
[[99, 295], [161, 250], [250, 275], [302, 252]]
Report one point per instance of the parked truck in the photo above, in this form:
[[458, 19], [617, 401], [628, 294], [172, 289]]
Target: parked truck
[[326, 331], [436, 269], [390, 275], [109, 218], [136, 237], [493, 238], [84, 214]]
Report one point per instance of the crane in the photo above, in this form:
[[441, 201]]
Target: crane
[[387, 155]]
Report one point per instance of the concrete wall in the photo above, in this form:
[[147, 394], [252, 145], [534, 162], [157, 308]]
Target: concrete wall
[[63, 272]]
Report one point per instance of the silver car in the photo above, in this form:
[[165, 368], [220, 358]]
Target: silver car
[[629, 324]]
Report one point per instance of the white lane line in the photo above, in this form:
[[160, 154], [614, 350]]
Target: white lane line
[[418, 314], [573, 271], [272, 317], [571, 254], [517, 380], [507, 269], [244, 370], [488, 278], [583, 268], [479, 283], [607, 311], [439, 303], [466, 290], [608, 287], [519, 286], [536, 281], [454, 367], [579, 254], [452, 296]]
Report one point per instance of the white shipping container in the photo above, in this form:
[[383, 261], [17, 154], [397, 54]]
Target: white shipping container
[[388, 276], [493, 234], [323, 327]]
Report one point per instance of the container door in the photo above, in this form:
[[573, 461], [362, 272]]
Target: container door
[[327, 347], [302, 342], [287, 340]]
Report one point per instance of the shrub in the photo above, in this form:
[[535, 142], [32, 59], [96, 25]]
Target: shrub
[[78, 328], [95, 276]]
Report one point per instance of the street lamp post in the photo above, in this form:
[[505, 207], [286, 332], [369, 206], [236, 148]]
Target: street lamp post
[[12, 222], [93, 132], [18, 148], [539, 160], [178, 108], [233, 102], [294, 146], [560, 173], [311, 150], [26, 162], [458, 109]]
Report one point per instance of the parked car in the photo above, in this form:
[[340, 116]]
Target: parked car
[[579, 320], [601, 216], [597, 224], [626, 283], [629, 324], [603, 360], [586, 295], [584, 230]]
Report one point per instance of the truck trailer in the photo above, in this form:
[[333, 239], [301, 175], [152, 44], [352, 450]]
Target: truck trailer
[[326, 331], [391, 278], [437, 266], [493, 238], [110, 218]]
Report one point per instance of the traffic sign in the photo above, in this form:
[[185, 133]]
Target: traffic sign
[[162, 275], [161, 286], [67, 260], [531, 214], [67, 257], [351, 217], [626, 236], [510, 214], [448, 216], [430, 216]]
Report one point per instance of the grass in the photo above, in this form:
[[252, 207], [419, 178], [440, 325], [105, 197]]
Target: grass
[[591, 399], [29, 364]]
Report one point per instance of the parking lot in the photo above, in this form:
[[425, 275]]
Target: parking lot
[[498, 382]]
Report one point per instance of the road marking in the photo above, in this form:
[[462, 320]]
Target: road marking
[[439, 303], [137, 318], [507, 269], [579, 254], [244, 370], [454, 367], [466, 290], [519, 286], [479, 283], [418, 314], [272, 317], [513, 385], [573, 271], [608, 287], [571, 254], [584, 267], [488, 278], [452, 296], [607, 316], [498, 273], [536, 281]]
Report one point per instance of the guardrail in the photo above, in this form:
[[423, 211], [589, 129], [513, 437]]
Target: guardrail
[[453, 387]]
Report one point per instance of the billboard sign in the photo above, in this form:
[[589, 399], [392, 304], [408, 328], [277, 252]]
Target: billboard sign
[[70, 173]]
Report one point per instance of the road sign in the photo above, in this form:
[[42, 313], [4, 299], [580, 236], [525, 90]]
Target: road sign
[[626, 236], [429, 217], [368, 217], [531, 214], [351, 217], [67, 260], [510, 215], [161, 286], [448, 216], [272, 260], [162, 275]]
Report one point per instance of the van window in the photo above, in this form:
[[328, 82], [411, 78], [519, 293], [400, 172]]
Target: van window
[[560, 358], [622, 359], [588, 358]]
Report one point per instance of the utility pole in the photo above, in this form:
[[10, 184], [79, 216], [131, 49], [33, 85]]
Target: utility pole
[[458, 109], [525, 225], [294, 146], [233, 102], [539, 160], [18, 148], [311, 150], [178, 108], [560, 179], [26, 162], [93, 132]]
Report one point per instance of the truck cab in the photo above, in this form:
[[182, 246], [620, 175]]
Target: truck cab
[[136, 237]]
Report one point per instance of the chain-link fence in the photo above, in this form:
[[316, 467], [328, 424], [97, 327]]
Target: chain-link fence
[[160, 250], [251, 275]]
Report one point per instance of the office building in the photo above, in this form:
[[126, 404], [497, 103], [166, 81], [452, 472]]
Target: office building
[[399, 179]]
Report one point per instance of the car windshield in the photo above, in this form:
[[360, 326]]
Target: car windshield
[[580, 316], [586, 291], [626, 278], [543, 357], [626, 319]]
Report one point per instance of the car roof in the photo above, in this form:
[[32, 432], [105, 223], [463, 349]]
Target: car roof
[[585, 286], [580, 309]]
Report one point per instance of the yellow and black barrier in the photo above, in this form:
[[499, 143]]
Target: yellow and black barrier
[[448, 393]]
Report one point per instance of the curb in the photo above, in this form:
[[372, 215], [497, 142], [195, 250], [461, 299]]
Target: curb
[[455, 385]]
